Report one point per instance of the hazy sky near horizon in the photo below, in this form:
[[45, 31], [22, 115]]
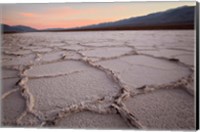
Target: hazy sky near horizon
[[68, 15]]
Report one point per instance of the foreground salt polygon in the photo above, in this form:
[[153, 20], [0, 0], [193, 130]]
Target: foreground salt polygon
[[121, 79]]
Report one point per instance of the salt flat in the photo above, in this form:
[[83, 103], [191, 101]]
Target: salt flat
[[112, 79]]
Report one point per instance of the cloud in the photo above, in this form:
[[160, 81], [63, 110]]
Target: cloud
[[27, 14], [67, 12], [62, 13], [63, 10], [67, 16]]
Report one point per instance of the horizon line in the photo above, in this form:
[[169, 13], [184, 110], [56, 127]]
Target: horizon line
[[68, 28]]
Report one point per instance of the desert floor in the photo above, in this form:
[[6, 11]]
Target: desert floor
[[102, 80]]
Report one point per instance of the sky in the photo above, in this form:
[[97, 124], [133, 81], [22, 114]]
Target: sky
[[67, 15]]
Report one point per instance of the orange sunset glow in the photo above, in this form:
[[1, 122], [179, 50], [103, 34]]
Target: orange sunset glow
[[69, 15]]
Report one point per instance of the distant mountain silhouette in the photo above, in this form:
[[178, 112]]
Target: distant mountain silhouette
[[177, 18], [18, 28], [52, 29]]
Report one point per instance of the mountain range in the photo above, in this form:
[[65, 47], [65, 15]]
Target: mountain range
[[18, 28], [177, 18], [181, 17]]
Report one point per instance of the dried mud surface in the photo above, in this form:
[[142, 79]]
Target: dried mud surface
[[105, 80]]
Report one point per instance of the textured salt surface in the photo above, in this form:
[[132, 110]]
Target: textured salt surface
[[6, 73], [139, 70], [25, 60], [29, 120], [93, 120], [43, 50], [102, 43], [71, 89], [8, 84], [52, 56], [20, 52], [55, 44], [123, 79], [164, 109], [186, 57], [165, 53], [107, 52], [57, 68], [6, 58], [48, 57], [13, 106], [73, 47]]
